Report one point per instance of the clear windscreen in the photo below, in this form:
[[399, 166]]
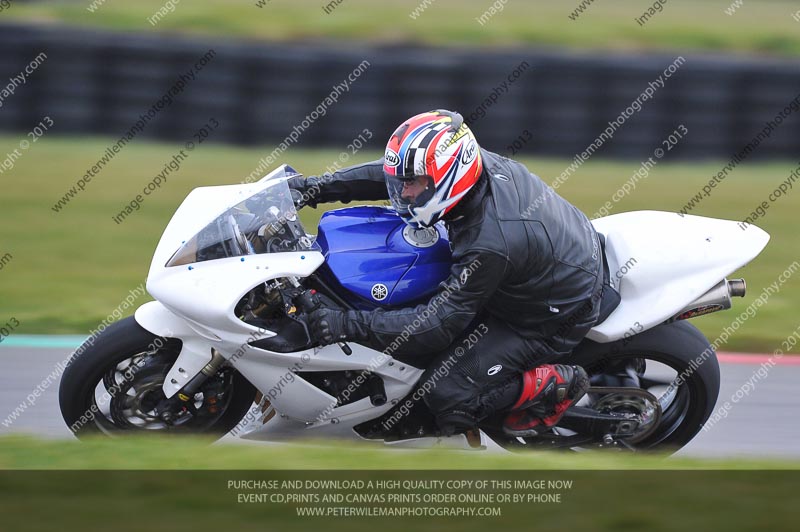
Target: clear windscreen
[[266, 222]]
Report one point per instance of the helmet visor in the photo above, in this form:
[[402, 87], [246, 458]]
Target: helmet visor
[[409, 192]]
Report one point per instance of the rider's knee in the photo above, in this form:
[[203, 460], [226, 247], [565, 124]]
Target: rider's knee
[[455, 421]]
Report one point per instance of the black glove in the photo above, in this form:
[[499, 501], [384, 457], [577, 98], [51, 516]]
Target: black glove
[[328, 325], [297, 198], [332, 325], [301, 195]]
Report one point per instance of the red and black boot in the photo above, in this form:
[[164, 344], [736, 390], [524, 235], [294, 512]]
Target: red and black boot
[[547, 392]]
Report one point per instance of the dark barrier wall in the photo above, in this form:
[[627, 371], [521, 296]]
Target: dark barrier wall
[[558, 103]]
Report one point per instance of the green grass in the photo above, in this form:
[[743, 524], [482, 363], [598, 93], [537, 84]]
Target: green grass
[[70, 270], [757, 27], [183, 485], [158, 452]]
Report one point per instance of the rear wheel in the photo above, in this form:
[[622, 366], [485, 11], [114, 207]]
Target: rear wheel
[[675, 363], [113, 387]]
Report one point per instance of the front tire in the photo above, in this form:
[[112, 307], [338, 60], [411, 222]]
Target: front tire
[[99, 367]]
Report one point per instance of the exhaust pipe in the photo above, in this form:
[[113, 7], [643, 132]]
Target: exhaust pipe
[[716, 299], [737, 287]]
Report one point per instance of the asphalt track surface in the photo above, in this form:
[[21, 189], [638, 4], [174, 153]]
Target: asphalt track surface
[[759, 423]]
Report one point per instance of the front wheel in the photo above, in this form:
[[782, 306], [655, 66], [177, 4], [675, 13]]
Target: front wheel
[[113, 386]]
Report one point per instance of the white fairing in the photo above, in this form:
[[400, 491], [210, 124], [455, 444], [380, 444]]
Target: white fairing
[[196, 302], [301, 405], [677, 259]]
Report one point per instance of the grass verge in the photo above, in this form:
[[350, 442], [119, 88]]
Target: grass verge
[[763, 27], [159, 453]]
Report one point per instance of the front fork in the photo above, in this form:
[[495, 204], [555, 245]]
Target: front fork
[[168, 408]]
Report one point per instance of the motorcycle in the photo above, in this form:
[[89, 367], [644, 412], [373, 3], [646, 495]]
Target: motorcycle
[[224, 347]]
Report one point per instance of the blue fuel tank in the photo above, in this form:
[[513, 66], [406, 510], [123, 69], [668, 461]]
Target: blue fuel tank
[[373, 255]]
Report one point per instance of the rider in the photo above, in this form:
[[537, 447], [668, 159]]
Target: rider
[[527, 267]]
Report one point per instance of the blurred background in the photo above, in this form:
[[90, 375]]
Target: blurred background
[[107, 93]]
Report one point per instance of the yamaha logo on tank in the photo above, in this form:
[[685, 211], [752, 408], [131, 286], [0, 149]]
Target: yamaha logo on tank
[[379, 292], [391, 158]]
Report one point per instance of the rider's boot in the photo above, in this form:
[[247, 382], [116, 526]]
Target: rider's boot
[[547, 392]]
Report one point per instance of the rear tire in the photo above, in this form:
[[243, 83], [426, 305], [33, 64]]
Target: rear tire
[[679, 345], [119, 342], [683, 347]]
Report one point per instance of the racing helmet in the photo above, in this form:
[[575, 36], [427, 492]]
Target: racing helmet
[[432, 160]]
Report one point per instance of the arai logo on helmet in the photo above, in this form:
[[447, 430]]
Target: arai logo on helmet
[[469, 153], [391, 158]]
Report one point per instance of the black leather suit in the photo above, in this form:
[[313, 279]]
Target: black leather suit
[[526, 283]]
